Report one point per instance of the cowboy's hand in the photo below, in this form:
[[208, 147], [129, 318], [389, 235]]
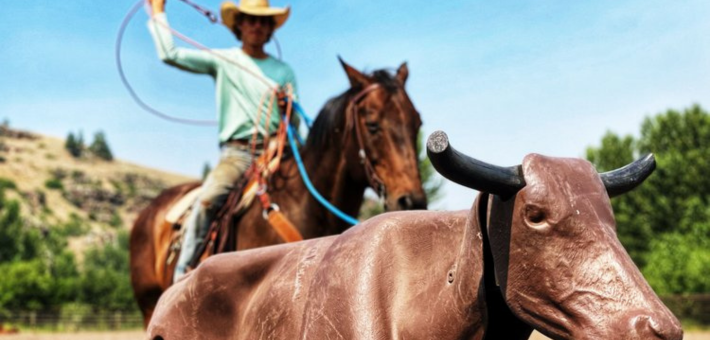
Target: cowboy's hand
[[158, 6]]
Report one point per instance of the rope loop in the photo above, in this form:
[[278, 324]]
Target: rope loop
[[204, 11]]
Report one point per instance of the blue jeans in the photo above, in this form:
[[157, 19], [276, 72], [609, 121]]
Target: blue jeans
[[233, 162]]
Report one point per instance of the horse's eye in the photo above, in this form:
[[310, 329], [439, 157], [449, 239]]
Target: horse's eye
[[535, 214], [372, 127]]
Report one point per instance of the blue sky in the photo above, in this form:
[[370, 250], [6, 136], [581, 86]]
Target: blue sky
[[502, 78]]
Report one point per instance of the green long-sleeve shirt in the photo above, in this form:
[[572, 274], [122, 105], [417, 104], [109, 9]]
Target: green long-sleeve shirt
[[238, 93]]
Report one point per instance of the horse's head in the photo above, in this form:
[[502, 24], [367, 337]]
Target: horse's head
[[557, 259], [384, 124]]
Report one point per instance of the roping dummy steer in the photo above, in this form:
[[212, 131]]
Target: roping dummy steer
[[537, 250]]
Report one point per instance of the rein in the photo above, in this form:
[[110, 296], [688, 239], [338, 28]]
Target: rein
[[375, 182], [307, 181]]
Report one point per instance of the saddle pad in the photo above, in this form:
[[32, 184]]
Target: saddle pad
[[178, 209], [248, 193], [182, 206]]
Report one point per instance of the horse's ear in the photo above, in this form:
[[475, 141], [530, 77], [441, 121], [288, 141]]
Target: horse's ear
[[356, 78], [403, 73]]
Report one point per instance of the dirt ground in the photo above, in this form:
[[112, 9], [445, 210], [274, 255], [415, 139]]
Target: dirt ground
[[138, 335], [688, 336], [131, 335]]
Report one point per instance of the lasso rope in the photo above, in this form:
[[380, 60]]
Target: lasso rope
[[213, 18], [119, 39]]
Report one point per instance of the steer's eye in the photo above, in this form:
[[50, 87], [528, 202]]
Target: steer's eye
[[372, 127], [534, 214]]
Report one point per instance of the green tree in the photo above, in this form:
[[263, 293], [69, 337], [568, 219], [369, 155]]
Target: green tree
[[38, 270], [105, 280], [664, 223], [25, 285], [38, 283], [65, 278], [17, 242], [678, 261], [99, 147]]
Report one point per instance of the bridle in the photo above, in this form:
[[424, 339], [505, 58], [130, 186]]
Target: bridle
[[375, 181]]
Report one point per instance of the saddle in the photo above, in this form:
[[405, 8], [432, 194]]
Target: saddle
[[222, 234]]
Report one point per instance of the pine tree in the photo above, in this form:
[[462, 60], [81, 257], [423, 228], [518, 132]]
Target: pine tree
[[99, 147], [80, 141], [73, 145]]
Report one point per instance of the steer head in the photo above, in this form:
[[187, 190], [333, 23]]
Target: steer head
[[552, 234]]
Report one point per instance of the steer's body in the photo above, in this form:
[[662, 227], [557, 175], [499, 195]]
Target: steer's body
[[396, 276], [546, 237]]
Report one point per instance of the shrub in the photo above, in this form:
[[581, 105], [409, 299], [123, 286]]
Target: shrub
[[7, 184], [54, 183], [116, 220], [74, 227]]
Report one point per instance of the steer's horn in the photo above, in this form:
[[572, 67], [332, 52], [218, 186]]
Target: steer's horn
[[471, 172], [624, 179]]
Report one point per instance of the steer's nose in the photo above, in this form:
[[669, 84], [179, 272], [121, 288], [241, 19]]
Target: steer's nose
[[662, 328]]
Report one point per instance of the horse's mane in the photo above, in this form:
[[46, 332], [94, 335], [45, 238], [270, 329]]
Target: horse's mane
[[332, 117]]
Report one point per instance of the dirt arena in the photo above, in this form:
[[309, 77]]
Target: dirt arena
[[138, 335]]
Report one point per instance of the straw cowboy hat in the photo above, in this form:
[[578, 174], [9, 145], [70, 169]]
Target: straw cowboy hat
[[253, 7]]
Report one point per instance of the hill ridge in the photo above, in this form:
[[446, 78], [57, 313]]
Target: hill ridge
[[54, 188]]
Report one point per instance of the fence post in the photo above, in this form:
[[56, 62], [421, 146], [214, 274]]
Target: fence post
[[117, 316]]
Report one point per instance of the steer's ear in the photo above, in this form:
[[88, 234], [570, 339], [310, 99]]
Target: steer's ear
[[623, 180], [356, 78]]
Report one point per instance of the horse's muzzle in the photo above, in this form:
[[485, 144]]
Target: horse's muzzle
[[410, 202]]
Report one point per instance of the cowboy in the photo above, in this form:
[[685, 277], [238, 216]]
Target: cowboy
[[244, 79]]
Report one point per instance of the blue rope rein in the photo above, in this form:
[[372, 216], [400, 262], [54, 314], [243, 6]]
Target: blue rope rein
[[302, 169], [302, 113]]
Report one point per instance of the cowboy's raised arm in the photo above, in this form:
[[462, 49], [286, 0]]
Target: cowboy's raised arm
[[192, 60]]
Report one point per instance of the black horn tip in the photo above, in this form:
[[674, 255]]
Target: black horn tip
[[649, 158], [625, 179], [437, 142]]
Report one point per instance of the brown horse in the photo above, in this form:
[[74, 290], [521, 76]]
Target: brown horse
[[375, 112], [538, 250]]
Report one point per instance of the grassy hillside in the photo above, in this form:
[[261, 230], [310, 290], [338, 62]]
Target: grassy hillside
[[95, 197]]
